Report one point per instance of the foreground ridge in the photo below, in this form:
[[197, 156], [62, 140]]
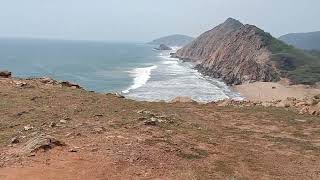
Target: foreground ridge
[[66, 132]]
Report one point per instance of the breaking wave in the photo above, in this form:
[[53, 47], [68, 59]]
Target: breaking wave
[[141, 77]]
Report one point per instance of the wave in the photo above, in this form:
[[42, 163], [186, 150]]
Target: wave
[[141, 77]]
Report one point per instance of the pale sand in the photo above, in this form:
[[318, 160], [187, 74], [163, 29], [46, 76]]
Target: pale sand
[[269, 91]]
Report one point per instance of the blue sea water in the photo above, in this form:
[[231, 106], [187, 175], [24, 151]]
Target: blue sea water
[[134, 69]]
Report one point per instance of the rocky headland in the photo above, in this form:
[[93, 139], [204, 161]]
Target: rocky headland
[[238, 54], [176, 40]]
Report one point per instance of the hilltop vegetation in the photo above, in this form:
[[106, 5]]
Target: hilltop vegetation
[[301, 67], [307, 41]]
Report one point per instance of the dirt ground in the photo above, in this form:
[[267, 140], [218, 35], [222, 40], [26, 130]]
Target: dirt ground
[[108, 137]]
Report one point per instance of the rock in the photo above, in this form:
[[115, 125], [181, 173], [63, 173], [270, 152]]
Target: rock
[[145, 112], [5, 74], [94, 149], [181, 99], [47, 80], [62, 121], [74, 149], [163, 47], [304, 110], [20, 83], [98, 130], [98, 115], [28, 127], [151, 122], [14, 140], [44, 142], [266, 104], [69, 84], [52, 125], [289, 102], [301, 104], [119, 96], [312, 101], [224, 103], [316, 97]]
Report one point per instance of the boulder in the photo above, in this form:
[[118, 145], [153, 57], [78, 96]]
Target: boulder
[[5, 74], [44, 142], [69, 84], [181, 99]]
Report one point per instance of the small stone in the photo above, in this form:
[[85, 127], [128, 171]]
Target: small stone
[[75, 149], [69, 84], [28, 127], [98, 130], [94, 149], [52, 124], [63, 121], [98, 115], [119, 96], [20, 83], [14, 140], [32, 155], [47, 80], [151, 122]]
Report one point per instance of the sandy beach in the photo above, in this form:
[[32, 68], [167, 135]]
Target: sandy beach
[[269, 91]]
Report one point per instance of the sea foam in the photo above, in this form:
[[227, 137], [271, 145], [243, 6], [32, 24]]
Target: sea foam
[[141, 77]]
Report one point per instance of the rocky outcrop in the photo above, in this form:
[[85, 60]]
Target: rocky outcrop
[[5, 74], [234, 52], [163, 47], [44, 142]]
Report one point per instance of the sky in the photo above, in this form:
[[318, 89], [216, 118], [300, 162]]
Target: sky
[[144, 20]]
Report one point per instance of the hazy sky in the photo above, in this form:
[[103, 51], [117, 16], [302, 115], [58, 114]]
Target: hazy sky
[[143, 20]]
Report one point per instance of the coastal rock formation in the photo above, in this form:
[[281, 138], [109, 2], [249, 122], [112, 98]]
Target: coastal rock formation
[[163, 47], [238, 54], [5, 74], [173, 40]]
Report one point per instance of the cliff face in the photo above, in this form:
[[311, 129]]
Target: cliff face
[[234, 52]]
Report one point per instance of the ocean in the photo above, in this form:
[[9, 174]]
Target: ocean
[[134, 69]]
